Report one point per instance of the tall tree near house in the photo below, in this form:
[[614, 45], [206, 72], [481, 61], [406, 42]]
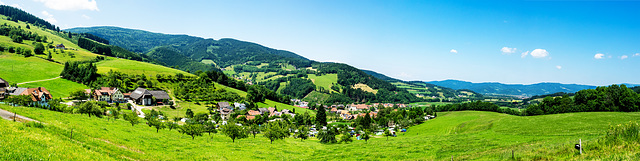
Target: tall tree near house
[[321, 116]]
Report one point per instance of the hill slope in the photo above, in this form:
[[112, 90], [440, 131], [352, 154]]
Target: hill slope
[[465, 135], [281, 71]]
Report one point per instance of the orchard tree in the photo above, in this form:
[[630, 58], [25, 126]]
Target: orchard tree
[[132, 118], [192, 130], [276, 130], [210, 127], [233, 131], [154, 122], [171, 125], [346, 137], [253, 129], [387, 134], [303, 133], [366, 135]]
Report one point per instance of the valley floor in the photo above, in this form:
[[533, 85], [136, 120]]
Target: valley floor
[[465, 135]]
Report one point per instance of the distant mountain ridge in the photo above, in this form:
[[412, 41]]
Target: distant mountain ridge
[[514, 89]]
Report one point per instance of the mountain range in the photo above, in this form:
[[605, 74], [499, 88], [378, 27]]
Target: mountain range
[[514, 89]]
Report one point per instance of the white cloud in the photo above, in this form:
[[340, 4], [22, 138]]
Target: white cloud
[[49, 17], [524, 54], [637, 54], [71, 4], [86, 17], [599, 56], [2, 3], [507, 50], [624, 57], [559, 67], [453, 51], [539, 53]]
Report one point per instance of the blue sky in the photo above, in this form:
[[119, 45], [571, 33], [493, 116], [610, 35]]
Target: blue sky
[[595, 43]]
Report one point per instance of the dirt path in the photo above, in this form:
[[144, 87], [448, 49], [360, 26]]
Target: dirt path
[[39, 80], [9, 116]]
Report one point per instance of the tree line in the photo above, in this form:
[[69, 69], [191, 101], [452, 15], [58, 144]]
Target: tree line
[[15, 14]]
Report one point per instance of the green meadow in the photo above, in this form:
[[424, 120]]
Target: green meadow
[[324, 81], [59, 88], [464, 135], [135, 67], [18, 69]]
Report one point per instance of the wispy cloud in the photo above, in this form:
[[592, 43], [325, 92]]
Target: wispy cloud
[[637, 54], [49, 17], [524, 54], [507, 50], [599, 56], [539, 53], [453, 51], [559, 67], [624, 57], [71, 5], [86, 17]]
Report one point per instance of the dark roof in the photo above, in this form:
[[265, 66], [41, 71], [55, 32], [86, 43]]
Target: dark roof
[[224, 104], [3, 83], [16, 91], [139, 92], [160, 95]]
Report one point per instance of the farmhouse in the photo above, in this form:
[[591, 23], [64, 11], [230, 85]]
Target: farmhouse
[[39, 96], [60, 46], [145, 97], [109, 94]]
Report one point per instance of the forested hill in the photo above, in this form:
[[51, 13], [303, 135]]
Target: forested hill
[[513, 89], [429, 91], [223, 52], [281, 71]]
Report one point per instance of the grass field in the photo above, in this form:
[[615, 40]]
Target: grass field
[[17, 69], [316, 97], [464, 135], [365, 87], [135, 67], [324, 81], [59, 88]]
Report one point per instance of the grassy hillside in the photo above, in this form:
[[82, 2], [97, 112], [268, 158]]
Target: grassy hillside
[[135, 67], [59, 88], [324, 81], [466, 135], [18, 69]]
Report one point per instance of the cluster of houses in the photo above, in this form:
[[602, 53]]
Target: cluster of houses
[[345, 112], [225, 109], [139, 96], [39, 96]]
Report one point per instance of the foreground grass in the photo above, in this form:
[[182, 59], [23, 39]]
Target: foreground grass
[[465, 135]]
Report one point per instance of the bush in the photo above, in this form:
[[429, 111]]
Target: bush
[[34, 124]]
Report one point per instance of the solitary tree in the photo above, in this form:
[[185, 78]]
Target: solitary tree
[[156, 123], [321, 116], [276, 130], [387, 134], [39, 48], [346, 137], [233, 131], [192, 130], [253, 129], [210, 127], [303, 133], [132, 118], [366, 135], [327, 136], [171, 125]]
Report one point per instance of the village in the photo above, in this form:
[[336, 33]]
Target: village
[[236, 112]]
